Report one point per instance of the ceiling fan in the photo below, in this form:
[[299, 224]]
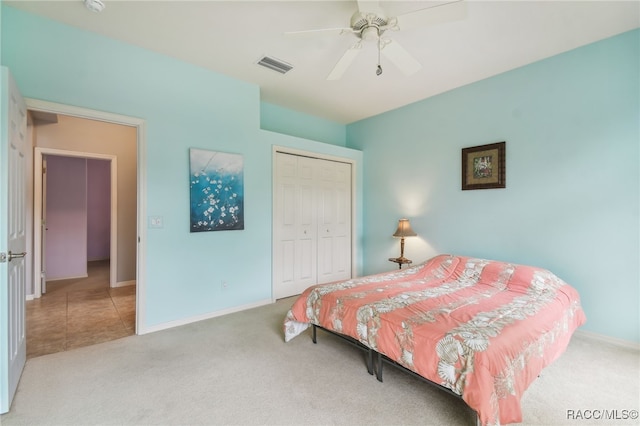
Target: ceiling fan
[[370, 22]]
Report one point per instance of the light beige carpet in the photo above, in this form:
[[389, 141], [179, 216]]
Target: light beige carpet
[[237, 370]]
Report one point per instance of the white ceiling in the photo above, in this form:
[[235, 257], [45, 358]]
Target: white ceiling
[[230, 36]]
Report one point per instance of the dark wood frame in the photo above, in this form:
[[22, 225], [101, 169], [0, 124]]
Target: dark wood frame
[[497, 179]]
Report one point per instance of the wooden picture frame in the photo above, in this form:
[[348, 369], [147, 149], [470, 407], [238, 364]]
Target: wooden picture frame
[[483, 166]]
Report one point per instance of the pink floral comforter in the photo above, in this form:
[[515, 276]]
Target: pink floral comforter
[[484, 329]]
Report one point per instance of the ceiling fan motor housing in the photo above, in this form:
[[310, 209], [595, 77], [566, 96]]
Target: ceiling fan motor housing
[[367, 25]]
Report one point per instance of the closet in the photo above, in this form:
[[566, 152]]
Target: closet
[[312, 222]]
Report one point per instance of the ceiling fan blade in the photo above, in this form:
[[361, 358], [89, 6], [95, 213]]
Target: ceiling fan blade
[[400, 58], [344, 62], [440, 14], [321, 30], [368, 5]]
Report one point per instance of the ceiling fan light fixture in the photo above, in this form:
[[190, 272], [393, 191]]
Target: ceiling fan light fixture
[[94, 5], [370, 33]]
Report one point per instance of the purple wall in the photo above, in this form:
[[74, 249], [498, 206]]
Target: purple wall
[[78, 215], [66, 218], [98, 209]]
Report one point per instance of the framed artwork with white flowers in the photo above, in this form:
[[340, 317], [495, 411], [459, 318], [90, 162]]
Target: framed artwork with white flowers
[[216, 191]]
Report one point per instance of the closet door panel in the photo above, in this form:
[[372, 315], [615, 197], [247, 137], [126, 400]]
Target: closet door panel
[[305, 205], [288, 260], [326, 220], [305, 262], [285, 226], [325, 260], [306, 221], [335, 222]]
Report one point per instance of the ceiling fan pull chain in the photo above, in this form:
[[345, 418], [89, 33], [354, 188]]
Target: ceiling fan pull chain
[[379, 68]]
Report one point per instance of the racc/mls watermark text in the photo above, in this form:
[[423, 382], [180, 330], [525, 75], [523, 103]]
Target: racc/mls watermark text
[[603, 414]]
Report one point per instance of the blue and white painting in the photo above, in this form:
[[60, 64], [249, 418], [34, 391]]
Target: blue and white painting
[[216, 190]]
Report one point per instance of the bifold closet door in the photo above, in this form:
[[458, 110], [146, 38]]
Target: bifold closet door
[[334, 221], [312, 223], [295, 225]]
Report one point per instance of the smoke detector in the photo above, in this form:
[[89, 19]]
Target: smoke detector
[[94, 5]]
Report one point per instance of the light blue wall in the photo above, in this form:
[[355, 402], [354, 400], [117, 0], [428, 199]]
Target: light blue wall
[[184, 106], [571, 202], [282, 120], [571, 126]]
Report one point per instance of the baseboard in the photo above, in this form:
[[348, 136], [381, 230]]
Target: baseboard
[[30, 297], [608, 339], [185, 321], [124, 283], [67, 278]]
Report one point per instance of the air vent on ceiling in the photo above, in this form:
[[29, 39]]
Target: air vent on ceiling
[[275, 64]]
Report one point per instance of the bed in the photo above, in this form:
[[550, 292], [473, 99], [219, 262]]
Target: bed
[[482, 329]]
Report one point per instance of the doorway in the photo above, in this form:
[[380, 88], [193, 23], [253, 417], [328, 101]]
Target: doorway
[[74, 211], [81, 303], [118, 262]]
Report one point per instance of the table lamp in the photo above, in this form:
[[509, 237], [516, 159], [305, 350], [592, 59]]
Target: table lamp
[[404, 230]]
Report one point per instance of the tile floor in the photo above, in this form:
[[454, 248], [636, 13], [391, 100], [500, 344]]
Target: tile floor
[[80, 312]]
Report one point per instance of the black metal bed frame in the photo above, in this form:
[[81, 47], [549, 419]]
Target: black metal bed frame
[[350, 340], [381, 359]]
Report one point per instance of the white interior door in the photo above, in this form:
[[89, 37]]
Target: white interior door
[[13, 241]]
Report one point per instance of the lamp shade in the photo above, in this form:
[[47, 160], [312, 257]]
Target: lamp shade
[[404, 229]]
